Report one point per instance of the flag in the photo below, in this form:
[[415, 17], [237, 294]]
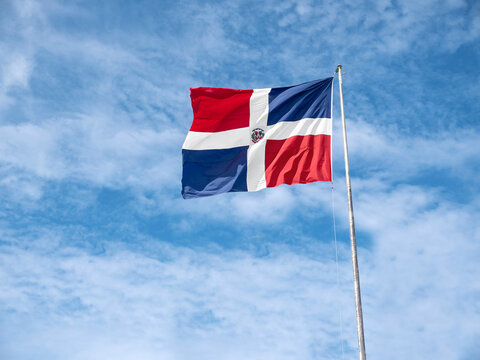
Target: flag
[[247, 140]]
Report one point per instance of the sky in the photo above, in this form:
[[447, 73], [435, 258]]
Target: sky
[[101, 258]]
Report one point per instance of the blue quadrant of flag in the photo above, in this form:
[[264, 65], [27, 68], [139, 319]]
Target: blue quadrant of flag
[[292, 103], [214, 171]]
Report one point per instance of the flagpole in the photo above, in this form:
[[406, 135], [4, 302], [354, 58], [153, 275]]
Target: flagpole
[[353, 241]]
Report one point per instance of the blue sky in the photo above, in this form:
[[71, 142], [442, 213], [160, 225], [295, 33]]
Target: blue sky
[[100, 257]]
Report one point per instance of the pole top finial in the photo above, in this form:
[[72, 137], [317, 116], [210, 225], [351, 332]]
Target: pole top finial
[[339, 67]]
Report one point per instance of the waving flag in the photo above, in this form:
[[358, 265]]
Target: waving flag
[[247, 140]]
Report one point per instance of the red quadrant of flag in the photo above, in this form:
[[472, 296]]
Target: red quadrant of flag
[[218, 109], [298, 160]]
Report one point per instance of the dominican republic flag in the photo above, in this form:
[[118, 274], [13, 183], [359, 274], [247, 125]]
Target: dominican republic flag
[[247, 140]]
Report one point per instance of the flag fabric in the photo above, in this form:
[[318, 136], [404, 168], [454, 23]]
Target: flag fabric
[[247, 140]]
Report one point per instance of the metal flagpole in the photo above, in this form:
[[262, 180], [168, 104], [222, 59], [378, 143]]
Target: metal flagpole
[[353, 241]]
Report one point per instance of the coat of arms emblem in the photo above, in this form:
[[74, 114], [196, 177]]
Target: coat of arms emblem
[[257, 135]]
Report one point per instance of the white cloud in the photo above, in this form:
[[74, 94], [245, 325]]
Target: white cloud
[[402, 154], [97, 149], [419, 282], [31, 148], [425, 278], [15, 73], [171, 300]]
